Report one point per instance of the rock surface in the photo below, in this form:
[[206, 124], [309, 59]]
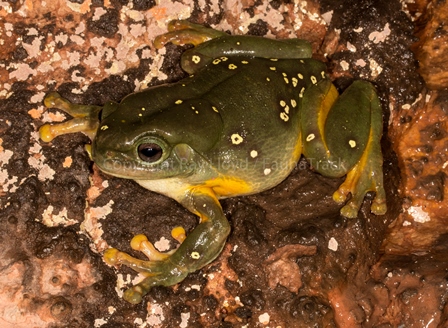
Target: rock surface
[[59, 213]]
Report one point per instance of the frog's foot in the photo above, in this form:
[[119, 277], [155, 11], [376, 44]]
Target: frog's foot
[[366, 176], [182, 32], [159, 270], [85, 118]]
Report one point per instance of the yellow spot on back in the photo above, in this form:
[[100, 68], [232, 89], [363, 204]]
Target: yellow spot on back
[[302, 92], [216, 61], [143, 108], [253, 153], [294, 82], [178, 102], [224, 58], [232, 66], [196, 59], [323, 74], [310, 137], [293, 103], [268, 79], [300, 76], [104, 128], [195, 255], [274, 59], [267, 171], [284, 116], [244, 62], [272, 68], [282, 103], [215, 109], [313, 79], [236, 139], [352, 143]]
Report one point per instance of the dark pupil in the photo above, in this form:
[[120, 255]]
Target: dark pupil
[[149, 152]]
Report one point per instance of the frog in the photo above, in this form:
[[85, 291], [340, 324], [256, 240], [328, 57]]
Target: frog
[[237, 125]]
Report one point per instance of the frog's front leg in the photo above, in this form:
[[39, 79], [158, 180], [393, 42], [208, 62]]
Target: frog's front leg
[[212, 46], [199, 248], [341, 135]]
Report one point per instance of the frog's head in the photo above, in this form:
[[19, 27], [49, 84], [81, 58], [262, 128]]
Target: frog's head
[[137, 142]]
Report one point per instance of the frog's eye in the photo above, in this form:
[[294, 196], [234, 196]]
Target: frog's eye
[[150, 152]]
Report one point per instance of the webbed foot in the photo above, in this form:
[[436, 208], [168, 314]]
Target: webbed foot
[[85, 118]]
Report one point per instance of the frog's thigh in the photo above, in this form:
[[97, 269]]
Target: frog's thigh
[[355, 123]]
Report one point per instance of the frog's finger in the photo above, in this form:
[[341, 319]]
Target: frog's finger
[[142, 244], [48, 132], [54, 100], [179, 234]]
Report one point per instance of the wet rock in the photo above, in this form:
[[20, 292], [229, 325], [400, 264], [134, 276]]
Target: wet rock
[[432, 47]]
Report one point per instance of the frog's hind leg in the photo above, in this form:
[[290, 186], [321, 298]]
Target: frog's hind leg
[[85, 118], [344, 138]]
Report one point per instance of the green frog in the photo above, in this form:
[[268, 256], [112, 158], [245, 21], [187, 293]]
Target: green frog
[[236, 126]]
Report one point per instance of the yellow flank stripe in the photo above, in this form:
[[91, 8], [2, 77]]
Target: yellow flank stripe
[[297, 150], [325, 107]]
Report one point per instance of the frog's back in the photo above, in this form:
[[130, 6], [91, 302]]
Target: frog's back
[[260, 108]]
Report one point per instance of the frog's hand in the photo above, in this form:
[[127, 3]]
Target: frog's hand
[[341, 135], [211, 45], [199, 248], [85, 118], [182, 32]]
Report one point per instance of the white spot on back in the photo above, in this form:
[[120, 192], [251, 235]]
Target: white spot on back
[[284, 116], [267, 171], [253, 153], [236, 139], [310, 137]]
